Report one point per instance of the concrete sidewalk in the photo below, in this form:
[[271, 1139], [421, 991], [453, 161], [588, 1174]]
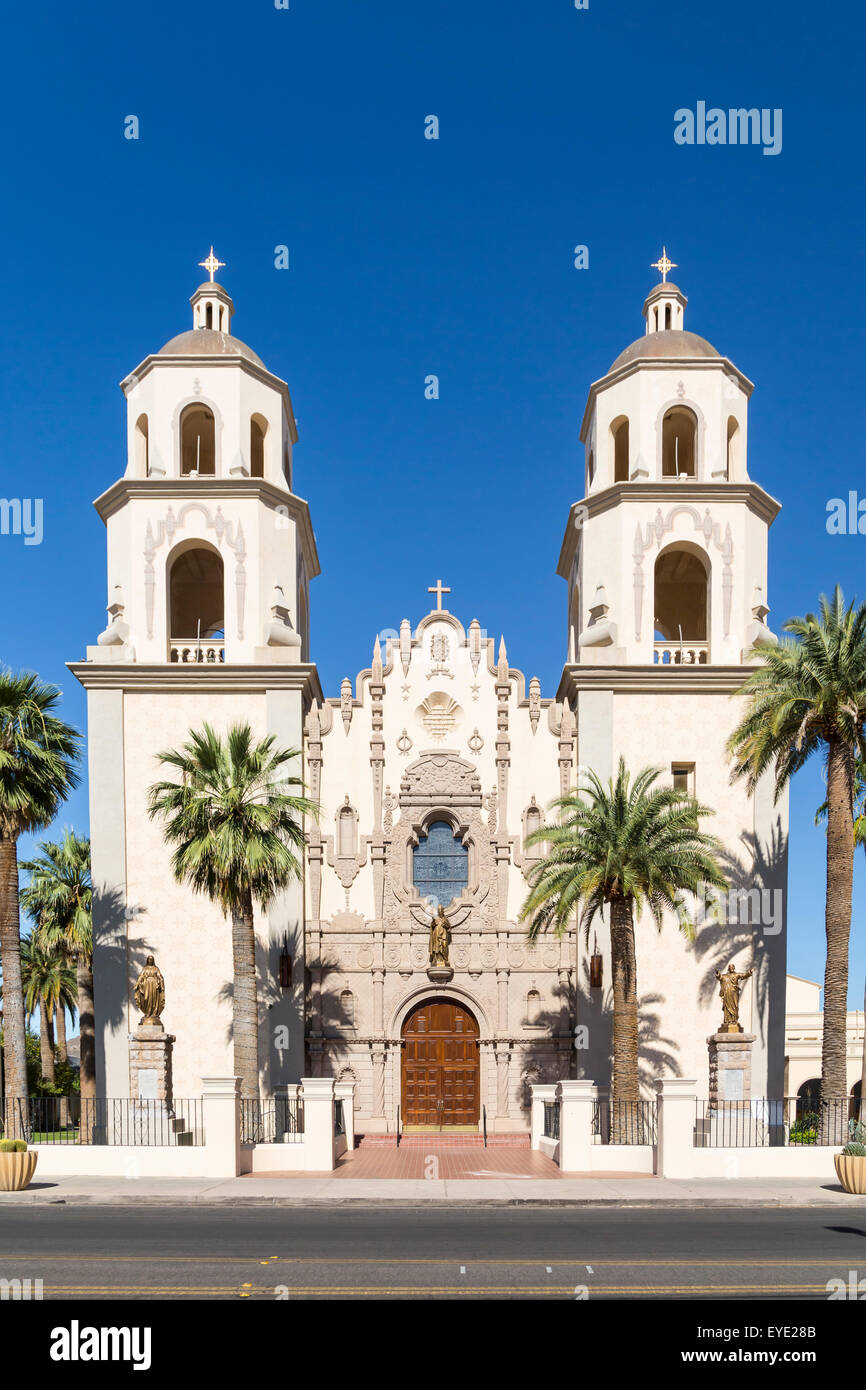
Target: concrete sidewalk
[[326, 1191]]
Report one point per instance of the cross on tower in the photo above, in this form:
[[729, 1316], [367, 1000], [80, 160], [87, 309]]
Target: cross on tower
[[663, 264], [438, 589], [211, 264]]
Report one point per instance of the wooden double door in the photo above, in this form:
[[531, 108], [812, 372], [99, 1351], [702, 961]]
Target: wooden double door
[[441, 1065]]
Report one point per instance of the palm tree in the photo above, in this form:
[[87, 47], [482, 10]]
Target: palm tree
[[59, 897], [627, 845], [859, 839], [809, 696], [49, 986], [236, 826], [38, 753]]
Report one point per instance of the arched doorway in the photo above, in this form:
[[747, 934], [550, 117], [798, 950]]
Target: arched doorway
[[441, 1065]]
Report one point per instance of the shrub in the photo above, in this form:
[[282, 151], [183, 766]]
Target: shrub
[[13, 1146]]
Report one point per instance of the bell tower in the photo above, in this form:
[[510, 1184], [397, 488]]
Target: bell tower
[[665, 561], [210, 558]]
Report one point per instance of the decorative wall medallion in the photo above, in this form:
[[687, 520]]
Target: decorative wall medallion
[[419, 957], [365, 957], [439, 715], [460, 956], [404, 743], [516, 956], [551, 957], [392, 957], [476, 742], [488, 957], [439, 647]]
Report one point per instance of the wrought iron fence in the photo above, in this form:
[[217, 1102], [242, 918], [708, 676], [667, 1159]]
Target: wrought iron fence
[[551, 1119], [101, 1121], [790, 1122], [624, 1121], [276, 1120]]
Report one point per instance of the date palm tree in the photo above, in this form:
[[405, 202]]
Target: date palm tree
[[59, 897], [628, 845], [38, 755], [859, 839], [49, 986], [808, 697], [235, 819]]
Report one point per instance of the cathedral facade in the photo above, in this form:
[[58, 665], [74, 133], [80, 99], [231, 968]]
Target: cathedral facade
[[435, 764]]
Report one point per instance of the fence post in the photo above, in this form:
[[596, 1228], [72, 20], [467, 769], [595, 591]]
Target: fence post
[[676, 1127], [345, 1091], [318, 1123], [221, 1106], [542, 1094], [575, 1125]]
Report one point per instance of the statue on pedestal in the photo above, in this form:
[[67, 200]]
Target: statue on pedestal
[[729, 992], [150, 994], [440, 939]]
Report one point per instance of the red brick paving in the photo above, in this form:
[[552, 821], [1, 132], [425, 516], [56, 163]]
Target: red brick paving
[[414, 1162]]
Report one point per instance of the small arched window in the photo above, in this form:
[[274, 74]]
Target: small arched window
[[347, 832], [347, 1008], [733, 445], [533, 1006], [258, 429], [142, 447], [619, 432], [679, 443], [197, 441]]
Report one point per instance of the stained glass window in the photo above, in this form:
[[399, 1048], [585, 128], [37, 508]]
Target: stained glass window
[[440, 868]]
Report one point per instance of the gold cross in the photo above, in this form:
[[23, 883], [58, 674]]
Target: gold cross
[[211, 264], [663, 264], [438, 589]]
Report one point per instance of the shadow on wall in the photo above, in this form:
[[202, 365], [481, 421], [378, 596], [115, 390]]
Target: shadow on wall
[[763, 868], [656, 1053], [121, 956]]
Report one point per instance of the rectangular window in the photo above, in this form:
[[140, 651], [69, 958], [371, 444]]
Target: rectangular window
[[683, 777]]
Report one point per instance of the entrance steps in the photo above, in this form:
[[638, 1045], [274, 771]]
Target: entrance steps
[[442, 1139]]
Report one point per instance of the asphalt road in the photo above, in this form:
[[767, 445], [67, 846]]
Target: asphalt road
[[164, 1253]]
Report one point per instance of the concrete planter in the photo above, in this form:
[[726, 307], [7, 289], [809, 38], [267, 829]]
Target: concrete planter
[[851, 1172], [16, 1170]]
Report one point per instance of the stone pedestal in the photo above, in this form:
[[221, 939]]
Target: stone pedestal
[[730, 1066], [440, 974], [150, 1063]]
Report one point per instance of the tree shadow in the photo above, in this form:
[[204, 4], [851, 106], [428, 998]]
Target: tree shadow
[[762, 868]]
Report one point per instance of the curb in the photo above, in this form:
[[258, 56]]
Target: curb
[[437, 1203]]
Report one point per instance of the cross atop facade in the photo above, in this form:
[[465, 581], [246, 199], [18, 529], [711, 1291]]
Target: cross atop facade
[[438, 589], [211, 264], [663, 264]]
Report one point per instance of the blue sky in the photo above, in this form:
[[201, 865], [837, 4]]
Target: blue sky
[[304, 127]]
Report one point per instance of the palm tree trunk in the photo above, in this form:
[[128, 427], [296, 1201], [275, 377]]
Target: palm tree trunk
[[625, 1088], [87, 1030], [62, 1051], [245, 1008], [837, 918], [46, 1050], [14, 1043]]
